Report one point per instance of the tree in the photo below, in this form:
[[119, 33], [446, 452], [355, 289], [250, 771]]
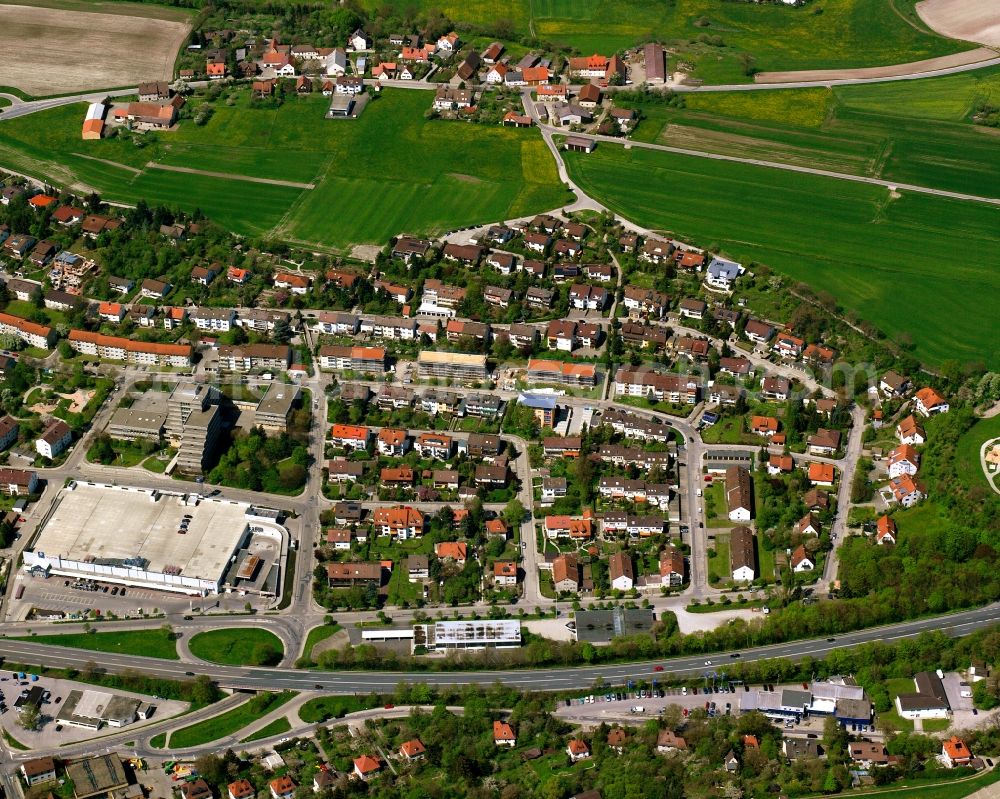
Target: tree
[[29, 717], [514, 513]]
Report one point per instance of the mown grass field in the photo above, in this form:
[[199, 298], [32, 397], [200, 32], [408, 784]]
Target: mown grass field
[[145, 643], [911, 131], [911, 265], [386, 172], [821, 34]]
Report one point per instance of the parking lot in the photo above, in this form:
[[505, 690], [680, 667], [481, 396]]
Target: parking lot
[[605, 711], [53, 596], [51, 734]]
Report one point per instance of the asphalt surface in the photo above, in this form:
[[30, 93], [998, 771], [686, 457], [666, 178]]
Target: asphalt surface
[[363, 682]]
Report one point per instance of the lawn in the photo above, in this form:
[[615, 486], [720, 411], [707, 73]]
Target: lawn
[[718, 567], [231, 721], [879, 256], [237, 646], [145, 643], [716, 510], [388, 171], [897, 686], [276, 727], [967, 461]]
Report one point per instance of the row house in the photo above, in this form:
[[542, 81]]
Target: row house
[[633, 525], [31, 333], [637, 334], [246, 357], [581, 529], [571, 374], [438, 293], [634, 426], [337, 324], [675, 389], [696, 349], [434, 402], [116, 348], [394, 398], [562, 446], [641, 458], [263, 320], [218, 319], [359, 359], [391, 328], [457, 329], [620, 488]]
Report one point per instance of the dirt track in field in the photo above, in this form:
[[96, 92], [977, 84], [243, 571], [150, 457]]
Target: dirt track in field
[[890, 71], [970, 20], [54, 51]]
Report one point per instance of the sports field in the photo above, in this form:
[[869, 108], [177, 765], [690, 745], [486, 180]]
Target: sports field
[[76, 46], [821, 34], [914, 264], [386, 172], [912, 131]]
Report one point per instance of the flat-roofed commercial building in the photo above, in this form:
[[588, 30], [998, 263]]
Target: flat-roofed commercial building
[[453, 365], [140, 537], [131, 424], [481, 634]]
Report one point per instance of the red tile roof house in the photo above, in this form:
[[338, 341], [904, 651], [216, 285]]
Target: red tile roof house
[[577, 749], [412, 750], [503, 735], [297, 284], [956, 752], [366, 767], [282, 788], [885, 531]]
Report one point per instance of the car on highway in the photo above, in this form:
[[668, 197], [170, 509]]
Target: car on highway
[[708, 662], [734, 654], [657, 668]]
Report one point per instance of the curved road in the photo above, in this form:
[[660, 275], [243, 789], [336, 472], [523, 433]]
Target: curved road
[[548, 679]]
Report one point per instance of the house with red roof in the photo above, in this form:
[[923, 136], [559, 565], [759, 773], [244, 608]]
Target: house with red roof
[[366, 767], [885, 530]]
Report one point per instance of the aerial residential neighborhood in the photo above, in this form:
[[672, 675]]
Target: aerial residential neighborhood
[[540, 401]]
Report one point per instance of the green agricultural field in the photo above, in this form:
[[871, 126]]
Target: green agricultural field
[[146, 643], [386, 172], [912, 131], [821, 34], [237, 646], [880, 256]]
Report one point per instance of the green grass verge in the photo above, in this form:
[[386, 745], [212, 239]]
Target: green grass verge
[[317, 634], [323, 708], [238, 646], [159, 741], [12, 742], [229, 722], [144, 643], [755, 214], [936, 725], [276, 727]]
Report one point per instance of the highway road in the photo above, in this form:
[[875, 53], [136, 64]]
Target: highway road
[[553, 679]]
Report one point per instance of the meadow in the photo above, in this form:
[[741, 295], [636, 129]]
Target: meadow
[[386, 172], [821, 34], [912, 131], [913, 265]]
